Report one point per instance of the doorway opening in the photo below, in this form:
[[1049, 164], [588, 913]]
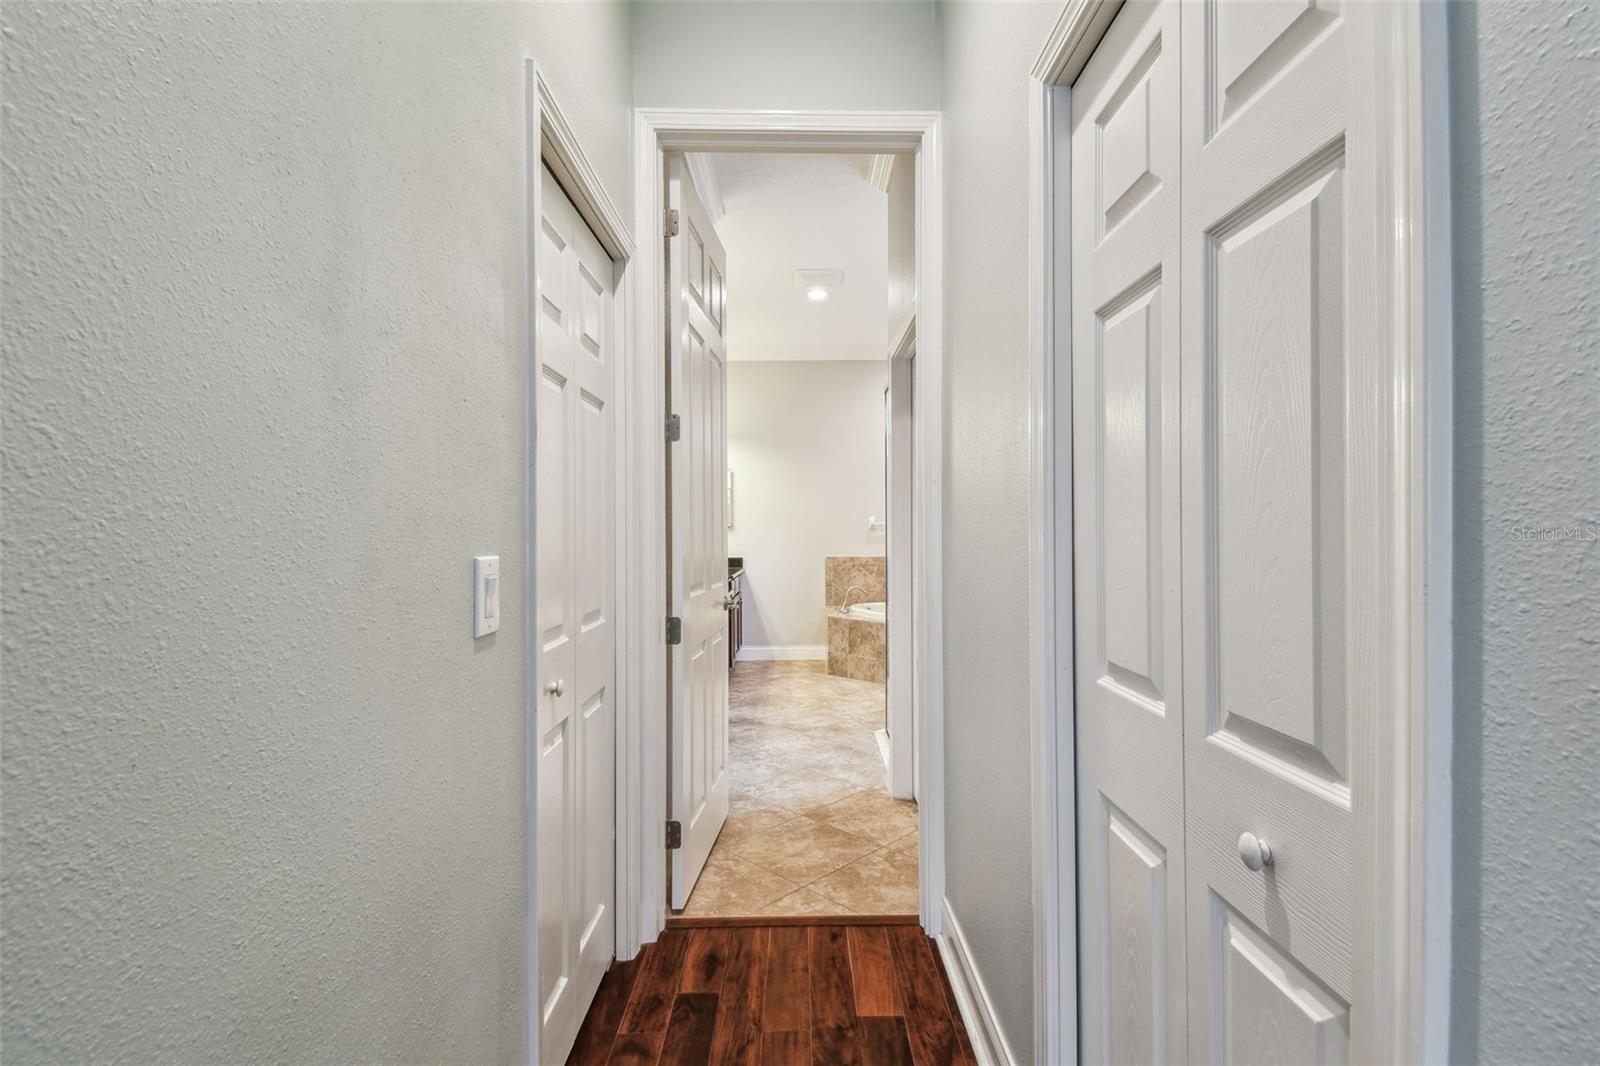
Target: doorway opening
[[790, 289]]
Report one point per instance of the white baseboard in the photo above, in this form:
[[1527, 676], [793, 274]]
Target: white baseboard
[[786, 652], [972, 999]]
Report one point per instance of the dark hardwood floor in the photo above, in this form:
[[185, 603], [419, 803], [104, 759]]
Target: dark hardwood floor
[[778, 995]]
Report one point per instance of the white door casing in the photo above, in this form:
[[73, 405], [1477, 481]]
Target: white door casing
[[698, 554], [576, 717], [904, 776], [1126, 507]]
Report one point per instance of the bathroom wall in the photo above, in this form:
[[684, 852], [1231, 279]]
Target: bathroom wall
[[264, 381], [805, 445]]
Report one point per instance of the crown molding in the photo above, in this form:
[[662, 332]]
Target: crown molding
[[881, 170], [705, 183]]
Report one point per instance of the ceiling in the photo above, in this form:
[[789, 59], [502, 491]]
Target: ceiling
[[783, 213]]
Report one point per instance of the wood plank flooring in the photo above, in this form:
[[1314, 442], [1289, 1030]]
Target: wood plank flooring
[[775, 995]]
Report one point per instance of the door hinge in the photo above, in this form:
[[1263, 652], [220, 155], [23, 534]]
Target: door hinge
[[674, 630], [670, 229], [674, 428], [674, 835]]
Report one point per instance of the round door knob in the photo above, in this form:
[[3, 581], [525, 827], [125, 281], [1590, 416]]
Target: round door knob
[[1254, 852], [556, 687]]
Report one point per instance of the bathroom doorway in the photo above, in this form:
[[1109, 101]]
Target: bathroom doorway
[[797, 288]]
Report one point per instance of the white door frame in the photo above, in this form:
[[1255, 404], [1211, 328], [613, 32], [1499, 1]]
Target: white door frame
[[549, 141], [1406, 900], [642, 721], [904, 773]]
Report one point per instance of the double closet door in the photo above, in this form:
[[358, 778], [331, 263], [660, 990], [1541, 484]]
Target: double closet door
[[574, 500], [1223, 207]]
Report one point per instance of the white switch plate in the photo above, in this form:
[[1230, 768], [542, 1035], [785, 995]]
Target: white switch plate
[[485, 595]]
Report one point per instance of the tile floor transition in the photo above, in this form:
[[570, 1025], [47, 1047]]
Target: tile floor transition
[[811, 829]]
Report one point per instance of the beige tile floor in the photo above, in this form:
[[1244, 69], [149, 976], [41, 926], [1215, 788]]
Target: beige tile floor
[[811, 828]]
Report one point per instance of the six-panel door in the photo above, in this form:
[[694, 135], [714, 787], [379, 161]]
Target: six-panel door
[[1227, 604], [698, 466], [576, 706], [1126, 509]]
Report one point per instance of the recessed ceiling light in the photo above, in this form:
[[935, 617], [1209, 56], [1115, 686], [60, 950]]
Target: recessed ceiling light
[[817, 284]]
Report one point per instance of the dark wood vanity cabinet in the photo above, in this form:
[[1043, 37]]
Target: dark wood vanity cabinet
[[735, 608]]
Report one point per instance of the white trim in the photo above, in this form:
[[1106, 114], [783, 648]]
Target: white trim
[[1050, 577], [901, 673], [989, 1045], [706, 184], [905, 347], [782, 652], [659, 130], [880, 171], [1407, 901], [548, 140], [882, 738], [560, 150], [1072, 40], [1423, 821]]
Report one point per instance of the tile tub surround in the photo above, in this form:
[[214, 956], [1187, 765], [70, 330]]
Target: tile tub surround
[[857, 647], [839, 572], [811, 829]]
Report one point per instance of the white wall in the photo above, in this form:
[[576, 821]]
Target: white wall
[[264, 386], [786, 55], [1527, 848], [805, 444], [988, 51]]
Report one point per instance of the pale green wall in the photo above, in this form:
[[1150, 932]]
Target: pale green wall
[[988, 50], [264, 389], [1525, 192]]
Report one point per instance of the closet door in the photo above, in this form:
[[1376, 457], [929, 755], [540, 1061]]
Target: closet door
[[1284, 427], [576, 567], [1126, 508]]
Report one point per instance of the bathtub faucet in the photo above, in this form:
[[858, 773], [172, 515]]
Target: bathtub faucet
[[851, 589]]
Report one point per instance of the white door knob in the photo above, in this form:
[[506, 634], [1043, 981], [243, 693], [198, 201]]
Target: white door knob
[[556, 687], [1254, 852]]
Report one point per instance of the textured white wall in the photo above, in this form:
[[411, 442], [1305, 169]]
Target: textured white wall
[[1527, 848], [786, 55], [988, 49], [805, 444], [263, 399]]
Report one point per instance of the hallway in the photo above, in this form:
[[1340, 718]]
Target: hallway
[[784, 994], [811, 830]]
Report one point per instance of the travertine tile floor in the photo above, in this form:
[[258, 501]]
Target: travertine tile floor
[[811, 829]]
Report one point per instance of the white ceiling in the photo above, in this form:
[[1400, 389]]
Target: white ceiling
[[784, 213]]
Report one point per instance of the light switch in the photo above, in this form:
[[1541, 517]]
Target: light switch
[[485, 595]]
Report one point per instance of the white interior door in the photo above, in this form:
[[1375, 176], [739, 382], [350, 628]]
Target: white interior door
[[698, 552], [1126, 516], [1234, 420], [577, 715], [1285, 417]]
